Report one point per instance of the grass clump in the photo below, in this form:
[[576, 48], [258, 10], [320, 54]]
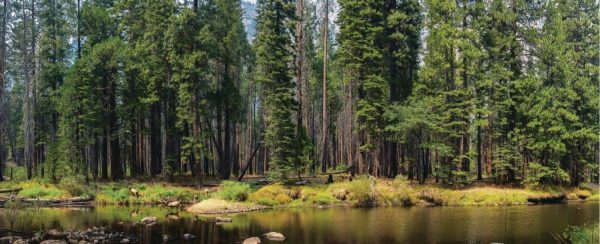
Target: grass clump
[[358, 191], [582, 234], [112, 196], [272, 195], [484, 196], [235, 191], [119, 193], [34, 189]]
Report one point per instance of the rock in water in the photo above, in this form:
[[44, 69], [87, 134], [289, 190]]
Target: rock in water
[[54, 233], [173, 204], [252, 240], [222, 219], [274, 236], [167, 237], [53, 242], [149, 220], [188, 236]]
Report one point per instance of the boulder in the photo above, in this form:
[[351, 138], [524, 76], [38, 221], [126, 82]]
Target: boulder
[[274, 236], [252, 240], [173, 204], [149, 220], [188, 236]]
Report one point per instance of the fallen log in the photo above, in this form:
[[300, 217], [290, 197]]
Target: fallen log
[[79, 199], [14, 190]]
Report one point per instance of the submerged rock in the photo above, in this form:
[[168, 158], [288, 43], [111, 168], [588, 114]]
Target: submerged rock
[[166, 237], [252, 240], [9, 239], [274, 236], [188, 236]]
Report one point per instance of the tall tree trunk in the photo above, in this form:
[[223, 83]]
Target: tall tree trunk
[[112, 137], [325, 117]]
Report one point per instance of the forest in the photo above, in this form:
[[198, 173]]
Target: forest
[[451, 91]]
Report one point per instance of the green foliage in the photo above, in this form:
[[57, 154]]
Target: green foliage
[[539, 174], [33, 189], [235, 191], [76, 186], [362, 65], [582, 234], [273, 45]]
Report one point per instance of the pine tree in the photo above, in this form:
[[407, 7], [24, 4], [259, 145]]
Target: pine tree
[[361, 27], [273, 45]]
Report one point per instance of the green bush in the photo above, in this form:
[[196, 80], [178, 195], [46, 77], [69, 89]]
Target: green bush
[[76, 186], [582, 234], [235, 191]]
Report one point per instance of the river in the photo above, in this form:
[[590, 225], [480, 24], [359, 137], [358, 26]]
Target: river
[[514, 224]]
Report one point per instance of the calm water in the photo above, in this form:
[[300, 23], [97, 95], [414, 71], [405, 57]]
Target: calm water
[[519, 224]]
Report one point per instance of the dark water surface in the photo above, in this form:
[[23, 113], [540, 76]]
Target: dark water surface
[[517, 224]]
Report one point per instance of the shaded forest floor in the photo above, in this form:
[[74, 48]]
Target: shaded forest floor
[[254, 192]]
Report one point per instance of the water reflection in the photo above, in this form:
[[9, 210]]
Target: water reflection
[[518, 224]]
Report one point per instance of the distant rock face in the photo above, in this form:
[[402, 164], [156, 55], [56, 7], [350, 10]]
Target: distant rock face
[[252, 240], [249, 19], [274, 236]]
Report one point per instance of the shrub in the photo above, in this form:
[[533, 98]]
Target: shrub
[[235, 191], [283, 199], [76, 186], [270, 192], [582, 234]]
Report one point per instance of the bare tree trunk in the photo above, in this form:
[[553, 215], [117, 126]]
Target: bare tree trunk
[[325, 117]]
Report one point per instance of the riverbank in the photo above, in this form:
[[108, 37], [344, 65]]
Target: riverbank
[[361, 191]]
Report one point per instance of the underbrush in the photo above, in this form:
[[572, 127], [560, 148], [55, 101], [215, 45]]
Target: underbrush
[[234, 191], [141, 193], [484, 196], [582, 234], [36, 189]]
